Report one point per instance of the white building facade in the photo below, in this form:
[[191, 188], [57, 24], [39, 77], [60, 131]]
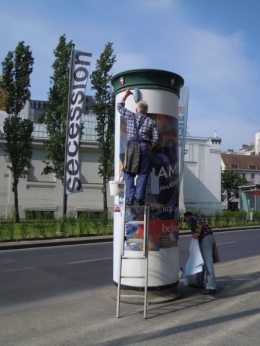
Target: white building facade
[[201, 183], [37, 192], [200, 188]]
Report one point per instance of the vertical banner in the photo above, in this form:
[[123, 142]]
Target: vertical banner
[[79, 72], [183, 118]]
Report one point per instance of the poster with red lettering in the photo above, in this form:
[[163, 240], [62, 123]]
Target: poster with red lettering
[[163, 190]]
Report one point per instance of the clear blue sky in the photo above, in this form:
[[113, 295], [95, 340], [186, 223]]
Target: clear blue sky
[[213, 45]]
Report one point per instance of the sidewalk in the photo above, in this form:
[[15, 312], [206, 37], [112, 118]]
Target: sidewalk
[[232, 317]]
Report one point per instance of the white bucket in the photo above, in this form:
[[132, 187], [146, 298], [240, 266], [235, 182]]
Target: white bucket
[[116, 187]]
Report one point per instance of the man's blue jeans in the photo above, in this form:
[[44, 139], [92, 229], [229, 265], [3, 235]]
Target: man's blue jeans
[[206, 248], [138, 192]]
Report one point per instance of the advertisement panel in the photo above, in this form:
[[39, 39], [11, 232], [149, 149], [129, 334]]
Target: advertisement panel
[[160, 89]]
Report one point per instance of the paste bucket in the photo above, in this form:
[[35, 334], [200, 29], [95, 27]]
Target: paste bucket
[[116, 187]]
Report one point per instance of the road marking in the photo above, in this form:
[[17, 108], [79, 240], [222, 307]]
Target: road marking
[[228, 242], [244, 279], [92, 260]]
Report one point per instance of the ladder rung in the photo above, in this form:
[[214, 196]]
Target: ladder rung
[[135, 206], [134, 222], [127, 257], [133, 240], [133, 277], [131, 296]]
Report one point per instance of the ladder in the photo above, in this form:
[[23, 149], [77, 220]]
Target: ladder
[[143, 257]]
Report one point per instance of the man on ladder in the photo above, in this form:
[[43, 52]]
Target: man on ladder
[[142, 136]]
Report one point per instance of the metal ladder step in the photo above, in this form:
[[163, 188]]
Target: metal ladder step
[[129, 257], [134, 223], [132, 296], [133, 277]]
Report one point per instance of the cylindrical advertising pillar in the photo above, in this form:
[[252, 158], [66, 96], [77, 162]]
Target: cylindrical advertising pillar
[[160, 89]]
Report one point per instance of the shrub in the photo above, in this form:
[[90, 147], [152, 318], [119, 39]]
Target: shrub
[[217, 218], [2, 229], [24, 229], [9, 226], [71, 223], [84, 224]]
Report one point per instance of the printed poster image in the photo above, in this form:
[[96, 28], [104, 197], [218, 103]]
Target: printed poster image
[[163, 189]]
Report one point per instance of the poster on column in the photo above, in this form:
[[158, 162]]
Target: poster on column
[[163, 189]]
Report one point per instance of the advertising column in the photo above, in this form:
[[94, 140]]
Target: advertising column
[[161, 90]]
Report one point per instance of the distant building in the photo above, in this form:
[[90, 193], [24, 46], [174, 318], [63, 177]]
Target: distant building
[[201, 184], [252, 148], [246, 165]]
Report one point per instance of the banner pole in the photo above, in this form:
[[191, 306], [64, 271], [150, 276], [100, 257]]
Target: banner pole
[[65, 196]]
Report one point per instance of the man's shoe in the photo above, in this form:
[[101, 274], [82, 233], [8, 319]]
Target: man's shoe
[[129, 202], [140, 202], [208, 292], [195, 286]]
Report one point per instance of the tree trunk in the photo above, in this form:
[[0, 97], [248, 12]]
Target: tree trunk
[[16, 205], [104, 194]]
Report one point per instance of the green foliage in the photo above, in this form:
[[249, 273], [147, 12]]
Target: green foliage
[[9, 225], [85, 222], [18, 146], [256, 216], [51, 226], [2, 229], [40, 225], [230, 181], [15, 84], [217, 218], [71, 224], [89, 224], [104, 108], [17, 67], [56, 114], [227, 217], [24, 230], [3, 96]]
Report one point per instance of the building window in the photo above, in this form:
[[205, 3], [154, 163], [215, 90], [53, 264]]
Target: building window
[[39, 214], [243, 175], [252, 176], [234, 166], [252, 167], [90, 215]]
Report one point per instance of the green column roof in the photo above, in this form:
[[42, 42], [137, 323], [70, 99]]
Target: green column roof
[[148, 79]]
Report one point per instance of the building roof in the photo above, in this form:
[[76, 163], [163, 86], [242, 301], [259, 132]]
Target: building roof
[[242, 162], [88, 119], [89, 122]]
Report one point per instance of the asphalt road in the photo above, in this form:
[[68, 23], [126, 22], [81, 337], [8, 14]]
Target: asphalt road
[[36, 274]]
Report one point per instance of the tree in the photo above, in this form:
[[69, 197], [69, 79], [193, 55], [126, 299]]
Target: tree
[[18, 135], [15, 83], [104, 108], [230, 182], [3, 96], [55, 116]]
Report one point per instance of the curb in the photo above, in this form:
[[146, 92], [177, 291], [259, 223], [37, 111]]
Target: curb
[[26, 244]]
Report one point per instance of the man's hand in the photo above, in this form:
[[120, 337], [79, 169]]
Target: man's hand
[[195, 235], [127, 93]]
